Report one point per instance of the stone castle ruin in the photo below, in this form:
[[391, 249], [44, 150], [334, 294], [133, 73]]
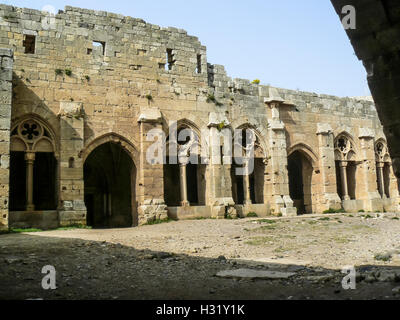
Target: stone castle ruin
[[82, 90]]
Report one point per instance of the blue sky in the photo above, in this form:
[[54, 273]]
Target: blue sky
[[287, 43]]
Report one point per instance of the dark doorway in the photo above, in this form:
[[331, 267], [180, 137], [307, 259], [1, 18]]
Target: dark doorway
[[192, 184], [172, 185], [300, 172], [237, 186], [386, 179], [17, 181], [44, 181], [110, 176]]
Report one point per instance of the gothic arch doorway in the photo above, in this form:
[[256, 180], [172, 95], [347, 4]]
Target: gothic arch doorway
[[300, 170], [110, 180]]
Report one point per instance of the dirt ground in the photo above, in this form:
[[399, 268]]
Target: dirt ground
[[180, 260]]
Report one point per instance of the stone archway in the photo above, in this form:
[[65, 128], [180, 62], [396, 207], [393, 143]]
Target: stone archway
[[300, 172], [110, 184]]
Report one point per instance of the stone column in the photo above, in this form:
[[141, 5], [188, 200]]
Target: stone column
[[71, 209], [367, 189], [183, 184], [150, 175], [381, 181], [6, 64], [328, 197], [30, 159], [219, 182], [343, 178], [246, 184]]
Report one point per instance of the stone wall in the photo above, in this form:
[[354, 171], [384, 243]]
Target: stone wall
[[6, 68], [376, 43], [95, 77]]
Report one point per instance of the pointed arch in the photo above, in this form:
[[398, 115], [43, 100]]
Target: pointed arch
[[345, 147], [306, 150], [33, 133], [115, 138], [110, 175], [260, 142]]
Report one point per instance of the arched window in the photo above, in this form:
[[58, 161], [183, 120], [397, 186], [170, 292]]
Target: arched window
[[346, 166], [32, 167], [248, 188], [184, 176]]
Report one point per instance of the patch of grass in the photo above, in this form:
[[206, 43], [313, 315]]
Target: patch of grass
[[256, 81], [74, 228], [68, 72], [229, 217], [21, 230], [211, 98], [324, 219], [340, 240], [266, 221], [284, 249], [269, 227], [58, 72], [252, 215], [259, 241], [331, 211], [383, 257], [312, 222], [367, 216], [167, 220], [395, 218], [361, 211], [87, 78]]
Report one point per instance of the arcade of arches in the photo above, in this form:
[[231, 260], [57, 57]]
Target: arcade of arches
[[111, 179]]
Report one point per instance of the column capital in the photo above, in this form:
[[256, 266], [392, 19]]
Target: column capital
[[380, 164], [343, 164], [30, 156]]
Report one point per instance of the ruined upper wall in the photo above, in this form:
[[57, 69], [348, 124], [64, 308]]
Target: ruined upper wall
[[132, 65]]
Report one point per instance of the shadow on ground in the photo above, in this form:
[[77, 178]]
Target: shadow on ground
[[100, 270]]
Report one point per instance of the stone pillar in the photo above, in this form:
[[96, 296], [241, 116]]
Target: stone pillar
[[71, 209], [278, 181], [6, 64], [246, 184], [343, 179], [381, 181], [219, 182], [151, 175], [328, 197], [183, 184], [367, 189], [30, 160]]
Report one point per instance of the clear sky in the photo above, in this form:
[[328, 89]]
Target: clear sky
[[291, 44]]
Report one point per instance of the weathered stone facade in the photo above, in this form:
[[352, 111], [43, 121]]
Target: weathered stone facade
[[376, 43], [88, 89]]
